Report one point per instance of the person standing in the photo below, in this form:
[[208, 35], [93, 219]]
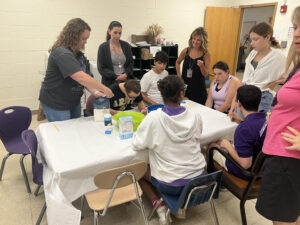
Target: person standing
[[196, 63], [279, 196], [68, 72], [115, 62], [264, 65]]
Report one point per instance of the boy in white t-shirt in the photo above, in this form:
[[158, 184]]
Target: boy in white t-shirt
[[149, 89]]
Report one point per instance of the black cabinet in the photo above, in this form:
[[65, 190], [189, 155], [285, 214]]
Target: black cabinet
[[141, 66]]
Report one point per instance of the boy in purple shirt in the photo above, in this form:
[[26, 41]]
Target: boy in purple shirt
[[249, 135]]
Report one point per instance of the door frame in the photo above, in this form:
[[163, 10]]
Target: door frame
[[243, 7]]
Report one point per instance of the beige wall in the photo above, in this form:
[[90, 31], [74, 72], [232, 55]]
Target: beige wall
[[28, 28]]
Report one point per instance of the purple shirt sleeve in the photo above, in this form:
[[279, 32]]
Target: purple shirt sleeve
[[244, 141]]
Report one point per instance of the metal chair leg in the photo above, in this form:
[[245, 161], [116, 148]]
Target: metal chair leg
[[3, 164], [82, 205], [24, 173], [243, 213], [154, 209], [143, 210], [96, 218], [213, 209], [36, 192], [41, 214], [168, 216]]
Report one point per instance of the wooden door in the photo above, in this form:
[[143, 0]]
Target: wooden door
[[223, 27]]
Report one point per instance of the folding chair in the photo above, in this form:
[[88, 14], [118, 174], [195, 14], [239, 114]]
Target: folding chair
[[242, 189], [197, 191], [117, 186]]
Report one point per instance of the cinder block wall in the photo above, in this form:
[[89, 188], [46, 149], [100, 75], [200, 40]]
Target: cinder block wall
[[29, 27]]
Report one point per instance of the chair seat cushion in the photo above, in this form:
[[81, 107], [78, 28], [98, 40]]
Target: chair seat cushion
[[97, 199], [237, 185]]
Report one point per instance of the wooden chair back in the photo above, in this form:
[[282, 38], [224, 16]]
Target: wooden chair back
[[106, 179]]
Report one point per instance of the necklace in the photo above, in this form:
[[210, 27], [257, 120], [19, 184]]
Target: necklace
[[118, 54]]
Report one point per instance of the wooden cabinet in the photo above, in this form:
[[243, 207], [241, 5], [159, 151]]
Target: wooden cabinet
[[141, 66]]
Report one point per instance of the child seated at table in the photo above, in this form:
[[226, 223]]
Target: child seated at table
[[172, 137], [125, 96], [249, 135], [222, 88], [150, 92]]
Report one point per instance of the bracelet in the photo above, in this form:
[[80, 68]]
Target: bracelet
[[96, 92]]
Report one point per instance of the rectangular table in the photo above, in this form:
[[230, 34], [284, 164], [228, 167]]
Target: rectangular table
[[74, 151]]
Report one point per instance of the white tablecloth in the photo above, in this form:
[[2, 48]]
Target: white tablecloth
[[74, 151]]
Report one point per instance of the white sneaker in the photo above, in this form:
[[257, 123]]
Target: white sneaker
[[162, 215], [180, 214]]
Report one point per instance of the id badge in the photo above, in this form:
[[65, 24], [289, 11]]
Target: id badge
[[189, 73]]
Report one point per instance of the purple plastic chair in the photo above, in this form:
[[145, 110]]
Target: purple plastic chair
[[13, 120], [30, 140]]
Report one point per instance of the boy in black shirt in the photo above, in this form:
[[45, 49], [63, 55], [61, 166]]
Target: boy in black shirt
[[125, 96]]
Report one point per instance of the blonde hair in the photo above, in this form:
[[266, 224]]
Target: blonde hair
[[200, 31], [70, 35], [293, 57]]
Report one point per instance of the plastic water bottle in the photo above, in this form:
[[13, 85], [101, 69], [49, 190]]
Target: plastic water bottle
[[101, 107], [108, 123]]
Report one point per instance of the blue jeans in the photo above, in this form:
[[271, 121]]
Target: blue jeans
[[166, 189], [101, 103], [59, 115], [266, 101]]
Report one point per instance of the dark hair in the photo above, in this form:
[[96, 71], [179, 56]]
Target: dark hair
[[111, 26], [70, 34], [170, 88], [132, 86], [221, 65], [264, 29], [249, 96], [161, 56]]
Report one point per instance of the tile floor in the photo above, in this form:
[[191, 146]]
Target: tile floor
[[17, 207]]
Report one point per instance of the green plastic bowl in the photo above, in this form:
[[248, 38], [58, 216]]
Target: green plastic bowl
[[137, 118]]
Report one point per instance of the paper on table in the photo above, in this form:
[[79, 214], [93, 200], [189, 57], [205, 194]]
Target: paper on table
[[154, 49]]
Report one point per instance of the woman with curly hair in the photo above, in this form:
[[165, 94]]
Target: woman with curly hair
[[195, 65], [68, 72]]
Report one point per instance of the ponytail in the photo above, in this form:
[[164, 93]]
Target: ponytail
[[274, 43]]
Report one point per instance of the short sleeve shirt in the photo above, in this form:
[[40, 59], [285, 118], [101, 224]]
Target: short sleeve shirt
[[248, 139], [149, 85], [59, 90], [119, 101]]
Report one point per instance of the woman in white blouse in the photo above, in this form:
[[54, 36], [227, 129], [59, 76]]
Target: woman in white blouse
[[264, 65]]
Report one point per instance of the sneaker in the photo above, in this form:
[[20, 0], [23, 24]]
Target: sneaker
[[162, 215], [180, 214]]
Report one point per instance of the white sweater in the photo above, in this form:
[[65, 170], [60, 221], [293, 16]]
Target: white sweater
[[269, 69], [173, 143]]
